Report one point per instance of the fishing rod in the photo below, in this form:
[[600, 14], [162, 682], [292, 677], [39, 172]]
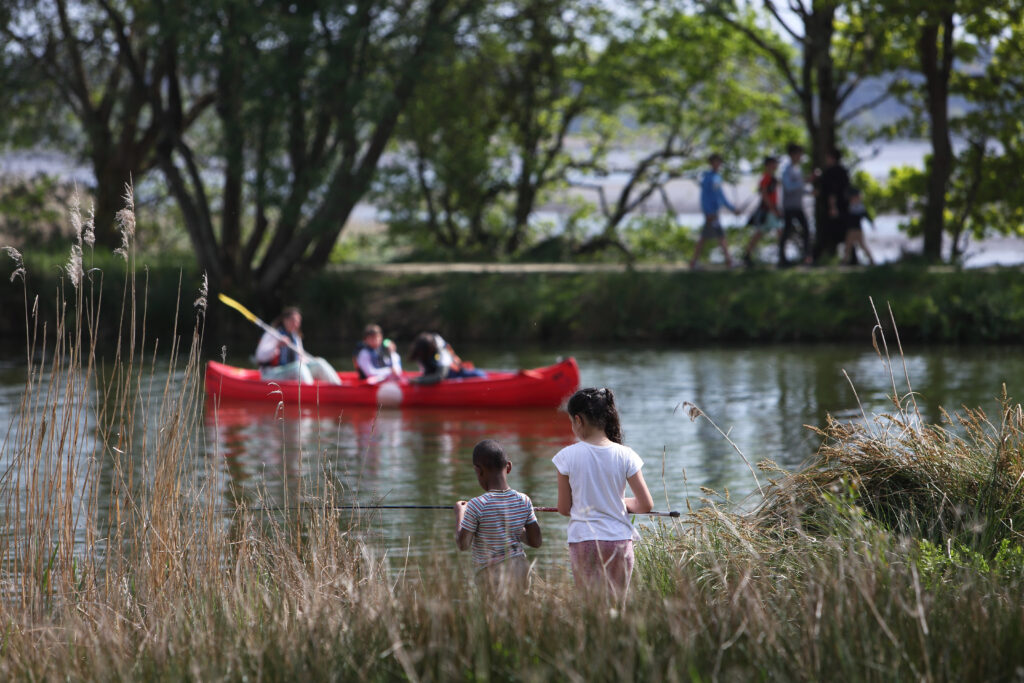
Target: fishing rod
[[652, 513]]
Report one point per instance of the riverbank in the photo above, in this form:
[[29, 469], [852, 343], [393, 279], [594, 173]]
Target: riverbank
[[675, 305], [893, 555], [557, 303]]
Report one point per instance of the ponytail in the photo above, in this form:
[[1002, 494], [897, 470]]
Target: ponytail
[[597, 407]]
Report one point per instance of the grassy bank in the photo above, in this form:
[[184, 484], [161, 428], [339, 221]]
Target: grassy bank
[[932, 305], [895, 555]]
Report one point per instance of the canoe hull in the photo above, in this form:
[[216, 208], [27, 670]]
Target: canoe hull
[[540, 387]]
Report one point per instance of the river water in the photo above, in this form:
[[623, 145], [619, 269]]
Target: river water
[[762, 398]]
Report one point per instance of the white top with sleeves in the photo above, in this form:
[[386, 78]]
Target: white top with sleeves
[[597, 476], [364, 359], [266, 350]]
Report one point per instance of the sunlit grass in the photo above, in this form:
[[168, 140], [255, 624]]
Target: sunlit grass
[[895, 555]]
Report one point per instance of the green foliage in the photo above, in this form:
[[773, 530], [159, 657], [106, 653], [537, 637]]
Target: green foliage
[[484, 147], [486, 142], [658, 238], [29, 212], [947, 564]]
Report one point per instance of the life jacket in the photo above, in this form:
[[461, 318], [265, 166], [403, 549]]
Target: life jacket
[[287, 355], [379, 359]]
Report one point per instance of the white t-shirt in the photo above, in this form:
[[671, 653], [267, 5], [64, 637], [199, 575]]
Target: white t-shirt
[[266, 350], [597, 476], [364, 359]]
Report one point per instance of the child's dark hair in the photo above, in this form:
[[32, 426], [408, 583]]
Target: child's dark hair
[[489, 455], [424, 347], [597, 406]]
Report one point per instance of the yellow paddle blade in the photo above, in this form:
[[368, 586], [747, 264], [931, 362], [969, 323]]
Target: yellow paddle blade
[[239, 307]]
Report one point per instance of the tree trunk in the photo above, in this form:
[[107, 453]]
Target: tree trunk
[[109, 199], [936, 63], [822, 102]]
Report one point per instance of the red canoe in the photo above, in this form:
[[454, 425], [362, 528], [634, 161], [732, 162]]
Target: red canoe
[[547, 386]]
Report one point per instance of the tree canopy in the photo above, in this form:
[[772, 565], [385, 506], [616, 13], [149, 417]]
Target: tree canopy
[[268, 121]]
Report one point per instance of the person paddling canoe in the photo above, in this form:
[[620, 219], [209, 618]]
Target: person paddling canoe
[[281, 357]]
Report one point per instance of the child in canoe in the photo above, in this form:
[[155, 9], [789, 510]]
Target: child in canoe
[[592, 476], [438, 360], [497, 524]]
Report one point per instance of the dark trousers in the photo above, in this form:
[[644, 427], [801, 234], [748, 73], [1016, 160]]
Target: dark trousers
[[789, 218], [830, 236]]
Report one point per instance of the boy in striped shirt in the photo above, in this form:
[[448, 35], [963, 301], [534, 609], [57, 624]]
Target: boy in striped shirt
[[498, 523]]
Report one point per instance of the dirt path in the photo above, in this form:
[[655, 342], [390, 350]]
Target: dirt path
[[514, 268]]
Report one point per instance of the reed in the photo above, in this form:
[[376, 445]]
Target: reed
[[891, 556]]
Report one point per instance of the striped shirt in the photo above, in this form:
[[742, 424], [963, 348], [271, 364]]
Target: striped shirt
[[497, 518]]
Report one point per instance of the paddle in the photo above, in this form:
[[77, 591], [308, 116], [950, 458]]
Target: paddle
[[251, 317]]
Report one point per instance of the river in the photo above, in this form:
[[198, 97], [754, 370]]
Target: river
[[761, 397]]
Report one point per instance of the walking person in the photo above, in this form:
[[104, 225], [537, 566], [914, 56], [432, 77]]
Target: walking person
[[834, 187], [766, 216], [854, 230], [712, 199], [794, 187], [592, 476]]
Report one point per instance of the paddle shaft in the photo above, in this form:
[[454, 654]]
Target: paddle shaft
[[251, 317]]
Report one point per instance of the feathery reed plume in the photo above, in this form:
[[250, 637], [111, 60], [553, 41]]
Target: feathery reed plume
[[126, 220], [89, 228], [204, 290], [75, 214], [19, 263], [74, 265]]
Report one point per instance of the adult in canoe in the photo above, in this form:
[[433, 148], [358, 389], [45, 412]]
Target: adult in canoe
[[281, 357]]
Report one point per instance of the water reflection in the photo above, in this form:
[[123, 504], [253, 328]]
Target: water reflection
[[761, 397], [278, 454]]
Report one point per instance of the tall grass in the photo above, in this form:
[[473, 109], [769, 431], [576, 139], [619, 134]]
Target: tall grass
[[889, 557]]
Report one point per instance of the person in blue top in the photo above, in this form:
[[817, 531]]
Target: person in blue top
[[712, 200], [794, 219]]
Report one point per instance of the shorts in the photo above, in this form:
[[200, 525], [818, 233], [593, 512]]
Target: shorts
[[509, 578], [602, 565], [712, 229], [763, 220]]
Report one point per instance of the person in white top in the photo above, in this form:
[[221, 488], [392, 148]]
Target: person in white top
[[281, 356], [592, 476]]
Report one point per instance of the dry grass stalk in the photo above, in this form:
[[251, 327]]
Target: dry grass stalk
[[121, 564]]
